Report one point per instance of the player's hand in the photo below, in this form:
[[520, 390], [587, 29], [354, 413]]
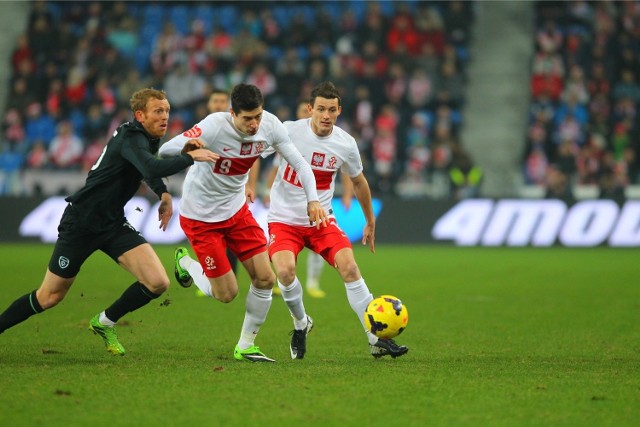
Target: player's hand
[[192, 144], [250, 193], [317, 215], [203, 155], [165, 211], [369, 236]]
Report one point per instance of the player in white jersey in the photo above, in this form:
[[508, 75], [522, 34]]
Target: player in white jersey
[[214, 213], [315, 262], [328, 149]]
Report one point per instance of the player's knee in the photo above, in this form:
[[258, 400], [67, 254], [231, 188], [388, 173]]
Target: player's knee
[[159, 285], [265, 281], [349, 271], [287, 274], [226, 297], [50, 300]]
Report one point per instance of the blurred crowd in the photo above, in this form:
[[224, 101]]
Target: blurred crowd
[[400, 67], [583, 122]]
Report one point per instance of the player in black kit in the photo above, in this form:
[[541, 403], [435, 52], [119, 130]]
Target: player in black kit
[[94, 220]]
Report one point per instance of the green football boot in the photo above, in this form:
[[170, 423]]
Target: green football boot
[[182, 276], [108, 334], [251, 354]]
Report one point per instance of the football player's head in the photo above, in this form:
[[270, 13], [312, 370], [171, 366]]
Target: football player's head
[[246, 108], [324, 108], [151, 108]]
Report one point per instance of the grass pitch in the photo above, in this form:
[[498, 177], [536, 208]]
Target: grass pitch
[[497, 337]]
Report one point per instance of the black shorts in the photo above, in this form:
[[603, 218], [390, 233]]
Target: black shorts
[[75, 244]]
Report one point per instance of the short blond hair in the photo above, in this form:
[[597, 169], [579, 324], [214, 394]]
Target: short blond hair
[[140, 98]]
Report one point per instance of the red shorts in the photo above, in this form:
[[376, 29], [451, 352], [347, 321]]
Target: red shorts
[[326, 241], [240, 233]]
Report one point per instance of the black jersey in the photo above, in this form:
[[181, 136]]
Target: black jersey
[[127, 159]]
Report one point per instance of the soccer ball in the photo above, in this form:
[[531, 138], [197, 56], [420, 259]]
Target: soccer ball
[[386, 317]]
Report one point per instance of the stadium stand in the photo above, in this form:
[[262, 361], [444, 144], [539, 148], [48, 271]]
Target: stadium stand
[[582, 138], [401, 66]]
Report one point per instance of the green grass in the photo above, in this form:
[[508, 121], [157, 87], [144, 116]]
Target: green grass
[[498, 337]]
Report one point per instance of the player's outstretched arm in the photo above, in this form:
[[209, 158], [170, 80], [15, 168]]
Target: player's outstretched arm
[[363, 194], [203, 155], [165, 211], [192, 144], [347, 191]]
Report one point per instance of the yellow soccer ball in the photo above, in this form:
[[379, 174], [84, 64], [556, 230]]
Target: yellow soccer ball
[[386, 316]]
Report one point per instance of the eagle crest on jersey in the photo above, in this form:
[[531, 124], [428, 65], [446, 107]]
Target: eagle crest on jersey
[[317, 159], [245, 149], [194, 132]]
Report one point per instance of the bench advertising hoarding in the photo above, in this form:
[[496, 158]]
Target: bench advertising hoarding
[[470, 222]]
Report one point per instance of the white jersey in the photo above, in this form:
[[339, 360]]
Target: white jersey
[[326, 155], [214, 192]]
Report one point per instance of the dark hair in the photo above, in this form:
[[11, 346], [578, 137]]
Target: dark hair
[[246, 98], [325, 90], [216, 91]]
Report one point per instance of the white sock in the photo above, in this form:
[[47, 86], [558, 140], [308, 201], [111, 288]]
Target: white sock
[[257, 308], [197, 274], [359, 298], [104, 320], [315, 263], [292, 296]]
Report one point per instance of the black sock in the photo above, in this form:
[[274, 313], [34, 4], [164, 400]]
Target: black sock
[[134, 297], [21, 309]]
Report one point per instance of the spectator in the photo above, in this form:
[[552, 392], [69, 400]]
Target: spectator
[[183, 87], [427, 60], [42, 39], [123, 37], [261, 77], [56, 102], [536, 165], [395, 86], [464, 175], [13, 132], [575, 86], [165, 48], [95, 125], [39, 127], [457, 20], [418, 149], [75, 92], [219, 46], [549, 38], [420, 89], [374, 27], [22, 52], [10, 164], [598, 81], [385, 146], [105, 96], [271, 31], [403, 33], [557, 185], [452, 81], [627, 87], [132, 82], [113, 65], [430, 27], [38, 157], [65, 150]]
